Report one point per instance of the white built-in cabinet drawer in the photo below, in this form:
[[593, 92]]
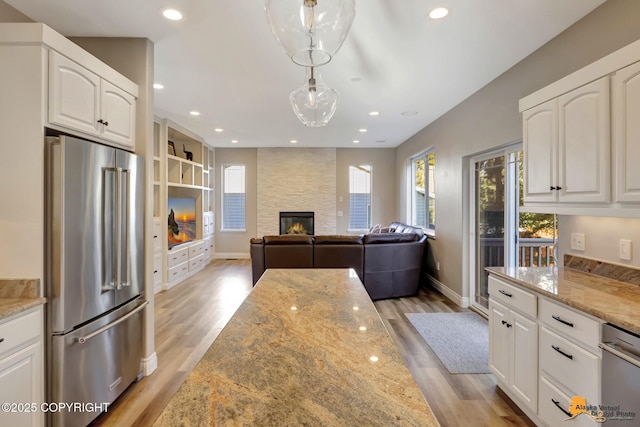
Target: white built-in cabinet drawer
[[553, 407], [523, 301], [196, 249], [157, 235], [569, 365], [196, 262], [20, 332], [177, 256], [178, 271], [157, 268], [573, 324]]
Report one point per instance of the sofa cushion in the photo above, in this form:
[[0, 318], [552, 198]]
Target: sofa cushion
[[390, 238], [339, 240], [289, 239], [379, 228]]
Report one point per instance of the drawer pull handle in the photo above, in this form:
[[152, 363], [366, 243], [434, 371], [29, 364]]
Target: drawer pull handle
[[567, 413], [1, 339], [507, 324], [505, 293], [556, 348], [155, 271], [562, 321]]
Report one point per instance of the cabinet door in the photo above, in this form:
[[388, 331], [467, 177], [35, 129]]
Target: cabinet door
[[499, 341], [74, 95], [524, 375], [584, 144], [540, 142], [21, 382], [118, 111], [626, 113]]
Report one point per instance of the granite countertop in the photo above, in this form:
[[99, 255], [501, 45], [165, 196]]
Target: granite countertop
[[307, 347], [18, 295], [610, 300]]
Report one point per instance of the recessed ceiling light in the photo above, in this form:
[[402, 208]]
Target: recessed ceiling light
[[194, 113], [293, 141], [234, 141], [438, 13], [172, 14], [362, 130], [409, 113], [374, 113], [158, 86], [218, 130], [355, 141]]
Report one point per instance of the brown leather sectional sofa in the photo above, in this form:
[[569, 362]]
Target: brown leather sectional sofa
[[389, 264]]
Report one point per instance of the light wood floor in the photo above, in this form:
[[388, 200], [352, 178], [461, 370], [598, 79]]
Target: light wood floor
[[189, 316]]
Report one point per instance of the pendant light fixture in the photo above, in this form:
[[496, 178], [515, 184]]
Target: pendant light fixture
[[310, 31], [314, 103]]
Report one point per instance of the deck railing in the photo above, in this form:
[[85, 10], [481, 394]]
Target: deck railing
[[532, 252]]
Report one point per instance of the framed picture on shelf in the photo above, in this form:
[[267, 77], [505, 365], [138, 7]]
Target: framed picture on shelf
[[172, 148]]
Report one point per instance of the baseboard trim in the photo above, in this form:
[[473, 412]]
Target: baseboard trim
[[447, 292], [149, 364], [231, 255]]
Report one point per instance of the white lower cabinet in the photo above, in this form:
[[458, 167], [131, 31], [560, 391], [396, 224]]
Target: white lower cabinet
[[21, 369], [513, 353]]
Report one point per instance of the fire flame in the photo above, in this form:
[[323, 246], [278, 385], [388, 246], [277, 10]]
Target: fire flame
[[296, 228]]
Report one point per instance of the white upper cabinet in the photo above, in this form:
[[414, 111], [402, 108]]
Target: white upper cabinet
[[584, 144], [626, 113], [83, 101], [567, 147]]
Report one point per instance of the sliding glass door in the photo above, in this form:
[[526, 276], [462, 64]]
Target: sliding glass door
[[501, 235]]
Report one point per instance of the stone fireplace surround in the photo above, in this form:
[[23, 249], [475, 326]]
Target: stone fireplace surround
[[296, 179]]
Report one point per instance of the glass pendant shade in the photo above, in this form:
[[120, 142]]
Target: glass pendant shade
[[310, 31], [314, 103]]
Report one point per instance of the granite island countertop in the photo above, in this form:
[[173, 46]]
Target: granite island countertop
[[306, 347], [18, 295], [610, 300]]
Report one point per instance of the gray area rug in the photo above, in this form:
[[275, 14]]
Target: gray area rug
[[460, 340]]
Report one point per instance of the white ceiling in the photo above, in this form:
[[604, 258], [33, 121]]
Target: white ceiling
[[223, 61]]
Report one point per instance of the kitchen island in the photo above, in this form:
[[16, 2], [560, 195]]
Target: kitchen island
[[307, 347]]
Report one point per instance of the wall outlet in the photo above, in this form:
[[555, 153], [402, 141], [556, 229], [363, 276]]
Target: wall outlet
[[577, 241], [625, 249]]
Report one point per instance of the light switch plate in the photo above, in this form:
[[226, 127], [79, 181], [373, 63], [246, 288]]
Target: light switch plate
[[625, 249], [577, 241]]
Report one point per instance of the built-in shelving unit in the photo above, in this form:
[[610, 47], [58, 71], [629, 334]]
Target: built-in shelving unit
[[175, 175]]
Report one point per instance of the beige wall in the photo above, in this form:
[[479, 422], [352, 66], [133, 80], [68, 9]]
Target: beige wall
[[233, 244], [10, 14], [602, 237], [382, 161], [490, 118]]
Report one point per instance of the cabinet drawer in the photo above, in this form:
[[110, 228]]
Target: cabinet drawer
[[157, 268], [197, 262], [157, 233], [577, 369], [20, 331], [196, 249], [552, 401], [177, 256], [570, 322], [523, 301], [178, 271]]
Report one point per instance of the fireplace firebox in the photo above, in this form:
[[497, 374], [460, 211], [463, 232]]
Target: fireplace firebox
[[296, 223]]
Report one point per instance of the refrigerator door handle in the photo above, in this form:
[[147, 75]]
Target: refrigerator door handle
[[107, 209], [118, 227], [127, 265], [86, 338]]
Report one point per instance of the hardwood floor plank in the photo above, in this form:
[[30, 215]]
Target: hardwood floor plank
[[190, 316]]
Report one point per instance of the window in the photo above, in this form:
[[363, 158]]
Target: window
[[423, 191], [233, 197], [359, 197]]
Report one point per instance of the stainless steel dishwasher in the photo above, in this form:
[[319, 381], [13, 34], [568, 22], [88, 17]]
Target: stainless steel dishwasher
[[620, 376]]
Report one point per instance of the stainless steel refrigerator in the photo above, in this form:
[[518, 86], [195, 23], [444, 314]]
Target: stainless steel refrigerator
[[94, 274]]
